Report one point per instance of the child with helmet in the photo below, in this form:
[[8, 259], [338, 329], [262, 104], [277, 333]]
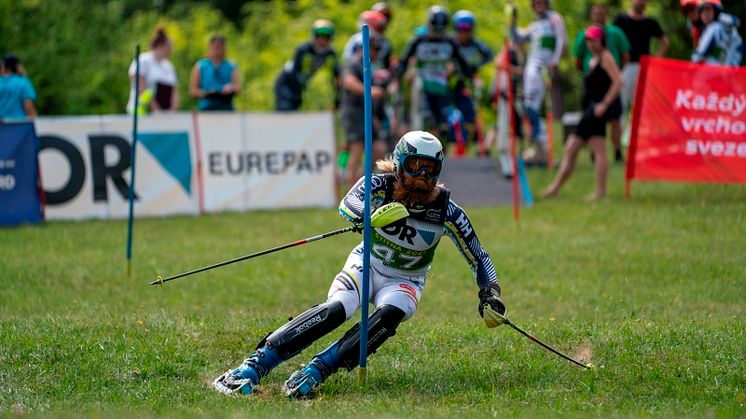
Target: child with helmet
[[719, 42]]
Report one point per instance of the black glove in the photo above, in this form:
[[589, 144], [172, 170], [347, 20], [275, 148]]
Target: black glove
[[489, 299]]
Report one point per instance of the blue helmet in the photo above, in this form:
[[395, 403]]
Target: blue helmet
[[417, 152], [464, 20]]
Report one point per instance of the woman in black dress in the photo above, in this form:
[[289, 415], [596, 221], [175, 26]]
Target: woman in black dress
[[601, 88]]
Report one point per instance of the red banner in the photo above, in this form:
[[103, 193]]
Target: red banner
[[688, 123]]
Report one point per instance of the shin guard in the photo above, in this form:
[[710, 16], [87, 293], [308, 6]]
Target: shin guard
[[300, 332], [382, 324]]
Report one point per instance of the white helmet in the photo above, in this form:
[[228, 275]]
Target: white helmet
[[421, 147]]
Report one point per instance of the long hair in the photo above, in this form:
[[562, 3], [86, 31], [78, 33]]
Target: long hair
[[386, 164]]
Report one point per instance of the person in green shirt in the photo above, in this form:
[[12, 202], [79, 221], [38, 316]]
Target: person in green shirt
[[618, 45]]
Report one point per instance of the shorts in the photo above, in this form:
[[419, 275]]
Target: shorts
[[353, 124], [590, 125], [400, 289]]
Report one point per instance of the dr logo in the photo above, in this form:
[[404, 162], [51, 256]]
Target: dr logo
[[404, 232]]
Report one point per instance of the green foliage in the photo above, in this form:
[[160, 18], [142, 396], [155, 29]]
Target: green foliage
[[77, 52], [650, 290]]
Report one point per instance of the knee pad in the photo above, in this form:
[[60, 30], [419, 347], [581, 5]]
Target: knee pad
[[382, 324], [300, 332]]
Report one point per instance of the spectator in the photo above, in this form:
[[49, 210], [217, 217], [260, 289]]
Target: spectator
[[387, 50], [214, 80], [17, 94], [377, 22], [720, 43], [505, 87], [618, 46], [158, 89], [548, 38], [689, 9], [383, 8], [476, 54], [309, 57], [601, 87], [433, 56], [353, 107], [640, 29]]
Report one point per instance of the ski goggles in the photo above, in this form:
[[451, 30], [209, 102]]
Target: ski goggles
[[413, 165], [323, 31]]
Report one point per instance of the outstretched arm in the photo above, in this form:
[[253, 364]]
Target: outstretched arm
[[459, 229], [519, 35]]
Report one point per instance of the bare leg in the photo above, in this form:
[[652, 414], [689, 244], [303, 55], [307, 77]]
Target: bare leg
[[353, 172], [572, 148], [490, 138], [616, 138], [379, 151], [598, 148]]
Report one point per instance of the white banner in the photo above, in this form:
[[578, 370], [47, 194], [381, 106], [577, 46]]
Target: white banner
[[273, 160], [249, 161], [85, 166]]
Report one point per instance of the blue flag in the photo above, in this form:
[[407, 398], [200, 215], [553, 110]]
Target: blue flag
[[19, 174]]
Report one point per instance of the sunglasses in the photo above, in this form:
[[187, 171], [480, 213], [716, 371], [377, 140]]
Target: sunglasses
[[414, 165]]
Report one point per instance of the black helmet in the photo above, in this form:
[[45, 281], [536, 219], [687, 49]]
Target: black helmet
[[437, 18]]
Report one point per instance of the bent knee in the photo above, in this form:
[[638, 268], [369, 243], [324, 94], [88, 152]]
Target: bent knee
[[345, 290], [403, 298]]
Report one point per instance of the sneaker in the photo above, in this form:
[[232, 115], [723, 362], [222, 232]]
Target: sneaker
[[302, 382], [231, 383]]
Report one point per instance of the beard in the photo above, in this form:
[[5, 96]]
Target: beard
[[416, 191]]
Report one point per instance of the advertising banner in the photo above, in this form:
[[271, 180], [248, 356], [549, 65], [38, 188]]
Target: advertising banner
[[186, 163], [273, 160], [86, 166], [19, 189], [689, 123]]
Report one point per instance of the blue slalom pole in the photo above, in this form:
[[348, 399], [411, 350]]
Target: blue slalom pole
[[528, 197], [135, 110], [368, 125]]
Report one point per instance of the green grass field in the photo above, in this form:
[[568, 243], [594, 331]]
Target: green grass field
[[652, 291]]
